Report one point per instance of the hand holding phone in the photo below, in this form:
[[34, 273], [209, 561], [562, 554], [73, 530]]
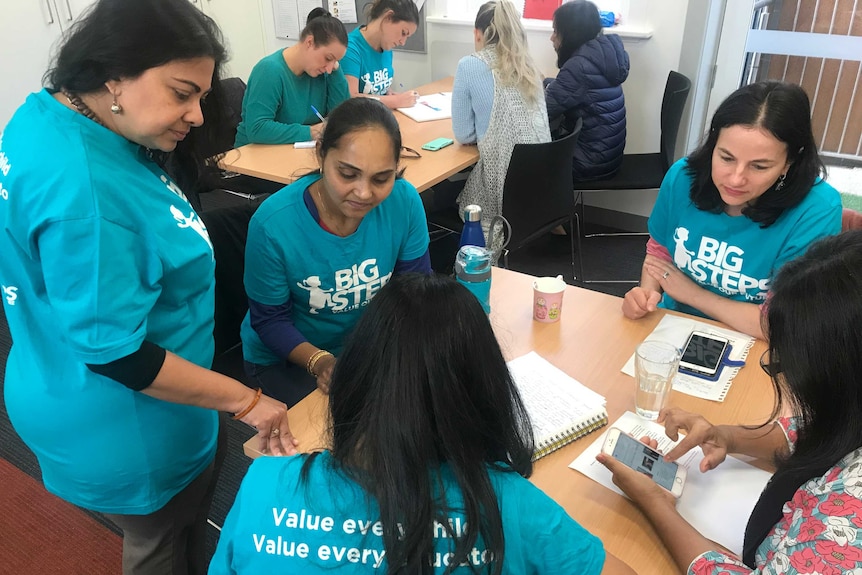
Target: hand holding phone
[[703, 353], [437, 144], [643, 459]]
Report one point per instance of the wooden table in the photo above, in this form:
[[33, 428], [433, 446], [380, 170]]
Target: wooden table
[[284, 163], [591, 342]]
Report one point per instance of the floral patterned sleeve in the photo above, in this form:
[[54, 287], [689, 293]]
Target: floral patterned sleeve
[[820, 531]]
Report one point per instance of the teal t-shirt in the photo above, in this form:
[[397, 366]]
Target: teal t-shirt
[[373, 68], [328, 524], [328, 279], [276, 108], [733, 256], [101, 251]]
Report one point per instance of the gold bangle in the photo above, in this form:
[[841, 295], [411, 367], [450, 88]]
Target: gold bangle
[[250, 406], [313, 358], [312, 361]]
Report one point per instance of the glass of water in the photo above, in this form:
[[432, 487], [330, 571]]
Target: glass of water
[[656, 363]]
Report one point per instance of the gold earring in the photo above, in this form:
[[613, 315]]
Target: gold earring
[[115, 107]]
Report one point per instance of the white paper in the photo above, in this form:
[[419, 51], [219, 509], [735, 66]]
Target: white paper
[[675, 331], [286, 16], [717, 503], [309, 144], [344, 10], [304, 8], [553, 411], [431, 107]]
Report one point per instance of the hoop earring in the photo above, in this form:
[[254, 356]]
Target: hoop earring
[[780, 183], [115, 107]]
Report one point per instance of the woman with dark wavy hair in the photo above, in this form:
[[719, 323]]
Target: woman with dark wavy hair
[[108, 379], [750, 199], [807, 518], [430, 450]]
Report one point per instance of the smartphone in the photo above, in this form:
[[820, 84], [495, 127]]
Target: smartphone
[[437, 144], [644, 459], [703, 353]]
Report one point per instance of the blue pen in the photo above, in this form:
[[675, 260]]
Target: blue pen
[[318, 114]]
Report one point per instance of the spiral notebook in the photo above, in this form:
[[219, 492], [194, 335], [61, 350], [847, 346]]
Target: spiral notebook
[[561, 408]]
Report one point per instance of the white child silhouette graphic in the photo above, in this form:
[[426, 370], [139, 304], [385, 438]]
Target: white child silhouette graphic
[[681, 256], [191, 221], [317, 298]]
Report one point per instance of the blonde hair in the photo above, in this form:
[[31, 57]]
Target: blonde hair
[[501, 29]]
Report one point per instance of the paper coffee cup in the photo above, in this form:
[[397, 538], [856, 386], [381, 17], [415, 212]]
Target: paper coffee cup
[[548, 298]]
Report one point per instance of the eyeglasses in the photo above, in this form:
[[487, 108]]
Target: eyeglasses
[[772, 368], [409, 153]]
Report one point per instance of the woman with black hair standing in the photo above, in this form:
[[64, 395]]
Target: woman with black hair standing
[[112, 274], [727, 217]]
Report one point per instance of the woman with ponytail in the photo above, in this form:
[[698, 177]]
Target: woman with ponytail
[[286, 87], [497, 102], [368, 62]]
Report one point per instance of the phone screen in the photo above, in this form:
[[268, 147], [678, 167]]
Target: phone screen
[[704, 352], [643, 459]]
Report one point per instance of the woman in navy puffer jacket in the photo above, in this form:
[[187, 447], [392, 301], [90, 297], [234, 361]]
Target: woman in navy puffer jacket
[[592, 68]]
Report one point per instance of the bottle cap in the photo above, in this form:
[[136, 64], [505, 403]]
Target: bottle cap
[[472, 213]]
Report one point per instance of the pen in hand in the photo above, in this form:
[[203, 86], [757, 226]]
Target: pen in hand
[[414, 92], [318, 114]]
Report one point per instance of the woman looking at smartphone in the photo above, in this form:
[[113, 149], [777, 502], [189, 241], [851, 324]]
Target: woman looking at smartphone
[[807, 518], [425, 439], [731, 214], [320, 249]]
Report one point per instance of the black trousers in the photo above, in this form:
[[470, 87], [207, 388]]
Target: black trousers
[[172, 540]]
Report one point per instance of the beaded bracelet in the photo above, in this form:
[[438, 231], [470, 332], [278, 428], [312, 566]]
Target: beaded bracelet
[[312, 361], [250, 406]]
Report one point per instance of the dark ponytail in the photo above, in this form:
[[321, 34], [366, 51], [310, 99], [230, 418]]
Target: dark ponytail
[[324, 28]]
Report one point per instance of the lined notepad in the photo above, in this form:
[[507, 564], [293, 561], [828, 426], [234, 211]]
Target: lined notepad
[[431, 107], [560, 407]]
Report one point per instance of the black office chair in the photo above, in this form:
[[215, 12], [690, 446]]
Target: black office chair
[[219, 188], [537, 195], [642, 171]]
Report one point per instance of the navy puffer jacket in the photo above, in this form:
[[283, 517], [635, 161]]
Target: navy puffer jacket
[[588, 87]]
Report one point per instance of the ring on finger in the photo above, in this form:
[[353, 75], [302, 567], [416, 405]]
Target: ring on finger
[[274, 432], [664, 275]]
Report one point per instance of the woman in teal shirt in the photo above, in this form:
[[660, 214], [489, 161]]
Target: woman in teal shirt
[[368, 62], [286, 87], [112, 271], [430, 450]]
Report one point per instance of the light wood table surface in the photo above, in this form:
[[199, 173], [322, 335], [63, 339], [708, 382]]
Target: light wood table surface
[[591, 342], [284, 163]]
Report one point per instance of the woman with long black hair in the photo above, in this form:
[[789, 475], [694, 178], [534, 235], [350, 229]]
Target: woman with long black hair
[[430, 450], [807, 518]]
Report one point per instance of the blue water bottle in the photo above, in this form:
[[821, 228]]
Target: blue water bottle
[[473, 270], [471, 234]]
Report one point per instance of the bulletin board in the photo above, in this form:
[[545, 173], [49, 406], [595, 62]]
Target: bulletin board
[[415, 43]]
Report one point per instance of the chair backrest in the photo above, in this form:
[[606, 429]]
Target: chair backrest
[[672, 105], [228, 230], [233, 91], [537, 194]]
